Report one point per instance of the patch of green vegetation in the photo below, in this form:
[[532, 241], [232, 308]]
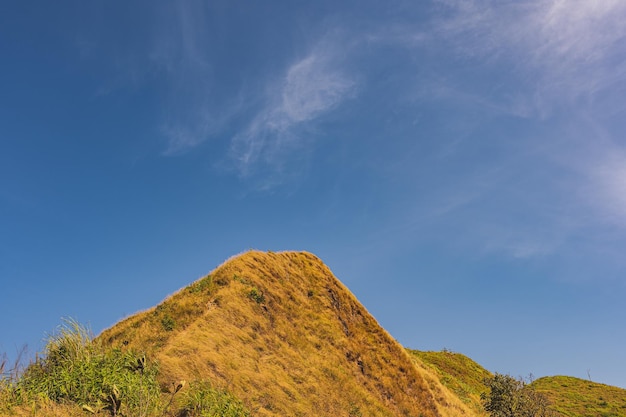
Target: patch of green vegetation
[[168, 323], [78, 372], [256, 295], [243, 280], [74, 369], [204, 285]]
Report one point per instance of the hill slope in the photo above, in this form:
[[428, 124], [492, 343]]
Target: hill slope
[[569, 396], [461, 375], [284, 335], [574, 397]]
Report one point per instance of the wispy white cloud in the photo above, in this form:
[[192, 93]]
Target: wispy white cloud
[[272, 112], [561, 65], [311, 87], [564, 51]]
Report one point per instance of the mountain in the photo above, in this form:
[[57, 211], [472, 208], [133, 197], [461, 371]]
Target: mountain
[[281, 333]]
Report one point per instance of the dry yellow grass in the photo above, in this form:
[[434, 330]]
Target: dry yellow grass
[[280, 332]]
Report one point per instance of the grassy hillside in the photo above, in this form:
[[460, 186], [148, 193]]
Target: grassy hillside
[[265, 334], [284, 335], [76, 375], [574, 397], [461, 375], [569, 397]]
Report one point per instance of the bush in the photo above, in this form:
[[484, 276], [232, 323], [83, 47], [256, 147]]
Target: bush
[[76, 369], [510, 397]]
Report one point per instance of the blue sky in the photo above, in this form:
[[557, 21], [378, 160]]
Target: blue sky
[[460, 165]]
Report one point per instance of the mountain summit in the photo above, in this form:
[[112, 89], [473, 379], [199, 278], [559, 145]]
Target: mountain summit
[[280, 332]]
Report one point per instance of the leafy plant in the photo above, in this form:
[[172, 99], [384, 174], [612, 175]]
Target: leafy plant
[[510, 397], [78, 370]]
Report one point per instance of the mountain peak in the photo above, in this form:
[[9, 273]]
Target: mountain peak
[[288, 338]]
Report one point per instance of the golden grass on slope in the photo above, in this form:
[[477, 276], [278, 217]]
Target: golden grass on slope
[[461, 375], [285, 336], [574, 397]]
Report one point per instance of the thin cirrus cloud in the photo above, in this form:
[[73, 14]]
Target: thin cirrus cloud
[[562, 50], [561, 67], [309, 89]]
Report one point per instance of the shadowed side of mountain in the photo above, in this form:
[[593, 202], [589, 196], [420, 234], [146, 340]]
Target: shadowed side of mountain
[[280, 332]]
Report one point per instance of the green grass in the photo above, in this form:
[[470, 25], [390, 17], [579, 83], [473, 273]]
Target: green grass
[[74, 369], [77, 375], [568, 396], [461, 375], [574, 397]]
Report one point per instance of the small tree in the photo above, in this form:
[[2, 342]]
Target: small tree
[[510, 397]]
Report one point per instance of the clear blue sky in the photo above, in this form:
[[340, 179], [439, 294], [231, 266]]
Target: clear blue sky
[[459, 165]]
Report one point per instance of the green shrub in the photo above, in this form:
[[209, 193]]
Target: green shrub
[[510, 397], [76, 369], [256, 295]]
